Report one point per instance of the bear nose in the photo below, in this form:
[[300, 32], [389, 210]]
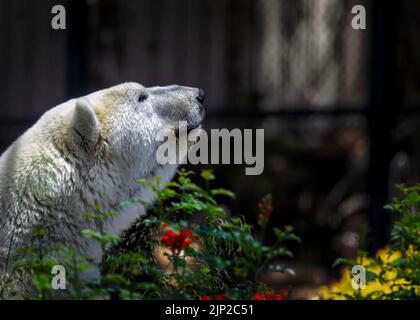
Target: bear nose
[[201, 96]]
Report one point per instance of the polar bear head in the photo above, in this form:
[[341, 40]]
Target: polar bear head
[[127, 118]]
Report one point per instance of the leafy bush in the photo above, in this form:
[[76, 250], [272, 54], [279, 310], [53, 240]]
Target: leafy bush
[[394, 273], [187, 247]]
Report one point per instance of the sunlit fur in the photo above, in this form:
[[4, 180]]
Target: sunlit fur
[[74, 159]]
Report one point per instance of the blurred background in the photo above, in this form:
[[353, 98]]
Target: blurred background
[[340, 107]]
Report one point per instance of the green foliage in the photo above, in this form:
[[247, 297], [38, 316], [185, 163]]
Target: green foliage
[[394, 273], [186, 248]]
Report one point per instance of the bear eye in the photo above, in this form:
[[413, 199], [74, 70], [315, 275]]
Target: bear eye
[[142, 97]]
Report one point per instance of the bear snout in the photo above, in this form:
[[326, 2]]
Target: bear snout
[[200, 98]]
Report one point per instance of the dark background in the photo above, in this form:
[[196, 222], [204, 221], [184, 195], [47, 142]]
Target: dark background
[[339, 106]]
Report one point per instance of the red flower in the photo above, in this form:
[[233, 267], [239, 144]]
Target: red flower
[[270, 295], [184, 233], [177, 241], [185, 243], [265, 208], [282, 294], [258, 296], [163, 225], [168, 238]]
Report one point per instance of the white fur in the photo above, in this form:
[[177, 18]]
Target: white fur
[[85, 152]]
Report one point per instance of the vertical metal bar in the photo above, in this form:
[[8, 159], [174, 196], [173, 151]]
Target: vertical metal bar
[[380, 116]]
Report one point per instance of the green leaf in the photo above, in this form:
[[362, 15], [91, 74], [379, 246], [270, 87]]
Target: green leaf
[[223, 192], [101, 237], [207, 175], [343, 261]]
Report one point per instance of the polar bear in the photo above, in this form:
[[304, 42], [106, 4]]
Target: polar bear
[[85, 152]]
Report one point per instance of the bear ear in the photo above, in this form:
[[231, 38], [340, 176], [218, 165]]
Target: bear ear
[[85, 122]]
